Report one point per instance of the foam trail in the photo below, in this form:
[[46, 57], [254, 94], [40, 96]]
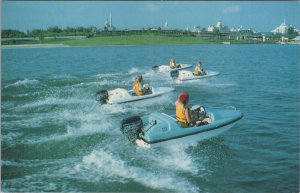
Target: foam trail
[[26, 82], [161, 101], [176, 158], [11, 137], [31, 121], [85, 84], [91, 120], [53, 101], [80, 124], [134, 70], [83, 120], [106, 165], [108, 75], [150, 73], [106, 82], [65, 77], [36, 182], [114, 108]]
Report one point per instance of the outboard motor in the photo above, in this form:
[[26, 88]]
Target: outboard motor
[[155, 68], [199, 112], [174, 74], [102, 96], [202, 112], [132, 127]]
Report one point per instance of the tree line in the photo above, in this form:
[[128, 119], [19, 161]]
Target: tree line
[[50, 32]]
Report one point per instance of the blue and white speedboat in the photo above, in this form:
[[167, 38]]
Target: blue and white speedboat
[[185, 75], [120, 95], [167, 68], [159, 129]]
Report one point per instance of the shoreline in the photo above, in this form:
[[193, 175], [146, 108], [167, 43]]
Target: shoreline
[[139, 39], [34, 46], [61, 45]]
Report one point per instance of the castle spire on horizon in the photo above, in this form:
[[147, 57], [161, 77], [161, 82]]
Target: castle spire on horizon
[[108, 23], [110, 20]]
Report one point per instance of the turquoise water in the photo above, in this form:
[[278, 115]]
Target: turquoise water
[[56, 137]]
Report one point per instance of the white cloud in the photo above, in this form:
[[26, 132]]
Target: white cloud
[[232, 9], [152, 7]]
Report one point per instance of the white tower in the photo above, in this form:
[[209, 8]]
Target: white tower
[[110, 20], [166, 24]]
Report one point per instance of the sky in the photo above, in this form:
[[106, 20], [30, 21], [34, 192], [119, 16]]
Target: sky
[[262, 16]]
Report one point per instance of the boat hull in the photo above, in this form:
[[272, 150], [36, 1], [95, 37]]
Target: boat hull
[[187, 75], [124, 96], [161, 129], [166, 68], [186, 139]]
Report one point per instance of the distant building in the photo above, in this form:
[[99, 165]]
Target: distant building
[[108, 24], [219, 26], [296, 40], [197, 29], [284, 28], [242, 30], [166, 24], [236, 29], [210, 28]]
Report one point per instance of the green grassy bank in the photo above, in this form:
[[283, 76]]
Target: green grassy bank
[[142, 39]]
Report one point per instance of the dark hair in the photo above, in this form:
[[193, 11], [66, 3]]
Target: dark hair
[[139, 78]]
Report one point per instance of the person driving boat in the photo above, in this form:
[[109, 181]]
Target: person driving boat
[[140, 88], [198, 71], [173, 64], [186, 116]]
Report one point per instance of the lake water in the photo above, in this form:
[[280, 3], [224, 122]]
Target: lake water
[[56, 137]]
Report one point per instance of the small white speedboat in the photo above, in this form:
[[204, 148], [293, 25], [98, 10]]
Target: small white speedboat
[[166, 68], [185, 75], [159, 129], [120, 95]]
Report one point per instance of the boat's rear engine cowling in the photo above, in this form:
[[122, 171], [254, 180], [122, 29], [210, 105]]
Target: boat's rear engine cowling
[[102, 96], [174, 74], [198, 112], [202, 112], [155, 68], [132, 127]]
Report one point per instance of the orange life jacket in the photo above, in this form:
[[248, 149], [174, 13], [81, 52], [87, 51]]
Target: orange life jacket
[[196, 71], [172, 65], [136, 89], [180, 115], [199, 71]]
